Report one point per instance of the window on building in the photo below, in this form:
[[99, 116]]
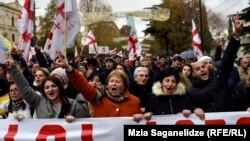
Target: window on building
[[12, 21], [13, 37]]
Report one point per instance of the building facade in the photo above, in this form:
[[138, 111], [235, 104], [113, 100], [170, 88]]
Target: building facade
[[9, 13]]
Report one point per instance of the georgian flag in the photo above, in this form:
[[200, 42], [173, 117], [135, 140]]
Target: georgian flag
[[91, 43], [196, 41], [134, 47], [56, 38], [25, 27]]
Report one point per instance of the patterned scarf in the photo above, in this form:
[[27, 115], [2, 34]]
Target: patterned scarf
[[17, 104], [101, 91]]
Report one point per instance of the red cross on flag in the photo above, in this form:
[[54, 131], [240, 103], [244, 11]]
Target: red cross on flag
[[134, 47], [25, 27], [196, 41], [91, 43], [55, 41]]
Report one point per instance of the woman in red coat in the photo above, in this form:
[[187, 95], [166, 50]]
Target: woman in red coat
[[114, 100]]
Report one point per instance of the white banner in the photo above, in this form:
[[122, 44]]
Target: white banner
[[100, 129], [100, 50]]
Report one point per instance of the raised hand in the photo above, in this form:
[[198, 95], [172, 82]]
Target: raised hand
[[238, 24], [61, 61], [9, 61]]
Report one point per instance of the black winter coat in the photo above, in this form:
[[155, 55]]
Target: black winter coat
[[214, 95], [160, 104]]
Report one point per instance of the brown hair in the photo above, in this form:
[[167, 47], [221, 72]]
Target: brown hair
[[44, 70], [62, 93], [10, 106], [122, 75]]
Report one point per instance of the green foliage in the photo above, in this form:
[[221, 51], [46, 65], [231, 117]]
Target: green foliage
[[246, 17], [174, 35], [46, 22]]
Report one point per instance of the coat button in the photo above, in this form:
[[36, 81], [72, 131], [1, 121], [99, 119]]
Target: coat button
[[117, 109]]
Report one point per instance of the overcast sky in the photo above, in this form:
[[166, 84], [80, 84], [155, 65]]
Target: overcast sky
[[224, 7]]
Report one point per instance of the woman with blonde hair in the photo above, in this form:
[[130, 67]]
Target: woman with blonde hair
[[114, 100]]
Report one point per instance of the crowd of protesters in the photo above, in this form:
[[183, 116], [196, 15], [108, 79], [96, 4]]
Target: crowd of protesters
[[89, 88]]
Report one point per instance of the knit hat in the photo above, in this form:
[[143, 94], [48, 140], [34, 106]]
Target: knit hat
[[203, 58], [62, 73]]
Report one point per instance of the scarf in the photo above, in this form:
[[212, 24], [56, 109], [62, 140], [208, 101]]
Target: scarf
[[117, 98], [17, 104], [103, 91]]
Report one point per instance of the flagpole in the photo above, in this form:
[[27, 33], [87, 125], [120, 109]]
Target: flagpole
[[82, 50], [19, 43], [201, 30], [65, 31]]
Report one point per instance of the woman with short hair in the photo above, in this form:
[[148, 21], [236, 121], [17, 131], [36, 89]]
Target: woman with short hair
[[114, 100]]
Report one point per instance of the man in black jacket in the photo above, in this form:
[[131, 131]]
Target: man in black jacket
[[211, 92]]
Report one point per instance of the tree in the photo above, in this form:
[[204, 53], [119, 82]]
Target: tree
[[102, 28], [94, 6], [174, 35], [46, 22], [216, 24], [246, 16]]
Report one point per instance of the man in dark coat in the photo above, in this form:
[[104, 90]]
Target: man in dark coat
[[211, 92]]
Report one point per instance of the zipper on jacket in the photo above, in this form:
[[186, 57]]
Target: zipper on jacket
[[171, 106]]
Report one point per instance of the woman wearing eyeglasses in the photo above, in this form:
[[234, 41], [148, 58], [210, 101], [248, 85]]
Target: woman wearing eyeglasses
[[140, 86], [16, 107]]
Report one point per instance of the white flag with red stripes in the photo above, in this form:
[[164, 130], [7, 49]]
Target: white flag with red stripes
[[91, 43], [196, 41], [134, 47], [55, 41], [25, 27]]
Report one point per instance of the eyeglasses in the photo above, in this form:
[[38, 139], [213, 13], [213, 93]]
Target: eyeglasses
[[13, 90], [142, 75]]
